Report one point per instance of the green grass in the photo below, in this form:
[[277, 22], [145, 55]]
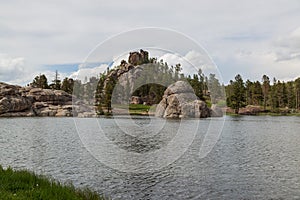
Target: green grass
[[232, 114], [134, 109], [23, 185], [138, 108]]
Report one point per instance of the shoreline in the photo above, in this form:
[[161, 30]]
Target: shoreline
[[152, 115], [24, 184], [264, 114]]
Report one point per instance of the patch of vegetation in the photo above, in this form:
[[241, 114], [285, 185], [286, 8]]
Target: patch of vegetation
[[279, 98], [138, 109], [23, 185]]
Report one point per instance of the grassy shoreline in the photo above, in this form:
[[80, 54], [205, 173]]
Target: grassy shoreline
[[23, 185]]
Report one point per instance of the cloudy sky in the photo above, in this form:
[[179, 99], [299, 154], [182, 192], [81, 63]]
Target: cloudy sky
[[247, 37]]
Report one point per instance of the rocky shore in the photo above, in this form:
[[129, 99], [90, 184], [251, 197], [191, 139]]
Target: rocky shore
[[17, 101], [179, 101]]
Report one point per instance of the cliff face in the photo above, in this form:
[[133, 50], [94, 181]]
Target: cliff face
[[16, 101]]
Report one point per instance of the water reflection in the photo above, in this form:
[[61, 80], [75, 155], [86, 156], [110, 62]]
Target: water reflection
[[257, 157]]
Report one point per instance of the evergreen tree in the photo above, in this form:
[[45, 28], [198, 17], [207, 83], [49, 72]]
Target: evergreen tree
[[265, 89], [257, 94], [273, 95], [237, 99], [297, 93], [56, 82], [291, 98], [40, 82], [214, 88], [67, 85], [249, 92]]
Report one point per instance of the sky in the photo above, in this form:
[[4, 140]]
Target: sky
[[251, 38]]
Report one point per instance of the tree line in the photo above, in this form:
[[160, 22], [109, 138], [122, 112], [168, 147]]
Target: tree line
[[273, 97], [41, 81], [158, 75]]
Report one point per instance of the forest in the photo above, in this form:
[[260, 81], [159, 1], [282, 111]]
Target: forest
[[274, 96]]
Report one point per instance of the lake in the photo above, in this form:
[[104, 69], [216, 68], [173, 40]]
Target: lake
[[255, 157]]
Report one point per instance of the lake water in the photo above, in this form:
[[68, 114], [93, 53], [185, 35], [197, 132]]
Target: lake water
[[256, 157]]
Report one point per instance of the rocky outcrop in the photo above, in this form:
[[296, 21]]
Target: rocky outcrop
[[138, 58], [12, 99], [49, 96], [16, 101], [136, 100], [127, 72], [127, 77], [248, 110], [179, 101]]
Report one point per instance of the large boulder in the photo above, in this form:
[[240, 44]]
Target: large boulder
[[55, 97], [179, 101], [14, 103], [11, 99], [250, 110]]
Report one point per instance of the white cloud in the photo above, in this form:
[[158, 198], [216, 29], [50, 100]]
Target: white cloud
[[280, 59], [15, 70], [11, 68], [191, 62], [84, 73], [65, 31], [288, 47]]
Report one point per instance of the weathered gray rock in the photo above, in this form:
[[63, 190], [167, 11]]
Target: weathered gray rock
[[216, 111], [138, 58], [16, 101], [6, 89], [55, 97], [11, 99], [179, 101], [136, 100], [178, 88]]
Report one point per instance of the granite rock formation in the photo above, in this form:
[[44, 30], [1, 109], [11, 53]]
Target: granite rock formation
[[179, 101], [16, 101], [138, 58]]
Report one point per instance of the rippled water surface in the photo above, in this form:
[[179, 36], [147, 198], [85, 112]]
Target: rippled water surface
[[254, 158]]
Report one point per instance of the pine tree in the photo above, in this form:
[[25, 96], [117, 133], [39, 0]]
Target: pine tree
[[237, 98], [214, 88], [67, 85], [249, 92], [257, 94], [265, 89], [297, 93], [291, 98], [56, 82], [40, 82]]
